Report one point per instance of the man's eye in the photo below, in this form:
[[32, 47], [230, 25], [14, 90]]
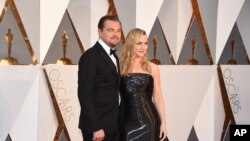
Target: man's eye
[[110, 30]]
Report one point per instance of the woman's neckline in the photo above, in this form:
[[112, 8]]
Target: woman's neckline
[[139, 73]]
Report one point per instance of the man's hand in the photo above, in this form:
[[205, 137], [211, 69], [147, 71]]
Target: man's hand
[[98, 135]]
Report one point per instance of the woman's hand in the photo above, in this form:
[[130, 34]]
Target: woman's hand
[[163, 132]]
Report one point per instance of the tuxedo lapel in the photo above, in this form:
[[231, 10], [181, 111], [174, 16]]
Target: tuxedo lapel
[[107, 59]]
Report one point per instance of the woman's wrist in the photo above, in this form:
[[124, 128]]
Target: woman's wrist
[[163, 122]]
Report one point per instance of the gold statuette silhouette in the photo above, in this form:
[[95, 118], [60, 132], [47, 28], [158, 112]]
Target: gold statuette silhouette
[[232, 61], [9, 60], [64, 60], [155, 45], [193, 61]]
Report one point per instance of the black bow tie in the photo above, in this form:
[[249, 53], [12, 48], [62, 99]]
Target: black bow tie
[[112, 51]]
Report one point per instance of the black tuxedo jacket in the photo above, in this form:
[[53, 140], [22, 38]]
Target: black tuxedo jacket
[[98, 86]]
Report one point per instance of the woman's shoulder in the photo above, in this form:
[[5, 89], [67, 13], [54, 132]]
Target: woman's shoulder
[[154, 68]]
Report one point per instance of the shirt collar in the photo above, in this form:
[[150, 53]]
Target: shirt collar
[[105, 46]]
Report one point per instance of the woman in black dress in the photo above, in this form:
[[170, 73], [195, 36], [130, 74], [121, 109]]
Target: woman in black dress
[[142, 106]]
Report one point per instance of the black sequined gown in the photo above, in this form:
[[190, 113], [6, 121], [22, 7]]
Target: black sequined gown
[[140, 120]]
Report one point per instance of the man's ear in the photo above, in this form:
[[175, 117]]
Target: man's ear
[[99, 32]]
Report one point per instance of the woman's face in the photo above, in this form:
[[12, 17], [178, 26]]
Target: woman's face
[[141, 46]]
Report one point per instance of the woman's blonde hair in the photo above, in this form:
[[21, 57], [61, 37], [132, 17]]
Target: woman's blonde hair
[[127, 55]]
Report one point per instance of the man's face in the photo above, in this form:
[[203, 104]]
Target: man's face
[[111, 33]]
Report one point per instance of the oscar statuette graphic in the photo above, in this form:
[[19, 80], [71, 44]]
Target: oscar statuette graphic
[[9, 60], [155, 45], [232, 61], [193, 61], [64, 60]]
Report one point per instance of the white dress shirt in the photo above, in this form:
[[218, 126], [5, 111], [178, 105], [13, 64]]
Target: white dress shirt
[[107, 49]]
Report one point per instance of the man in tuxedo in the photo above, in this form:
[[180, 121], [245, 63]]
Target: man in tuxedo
[[98, 84]]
